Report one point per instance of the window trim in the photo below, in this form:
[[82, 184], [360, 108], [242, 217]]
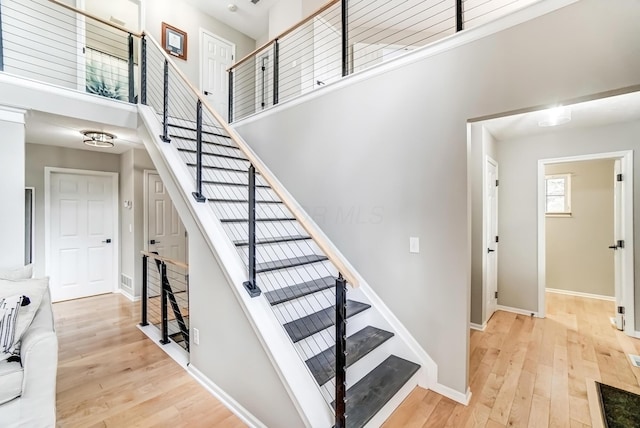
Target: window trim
[[567, 195]]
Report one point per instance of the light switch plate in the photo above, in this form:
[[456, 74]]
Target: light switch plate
[[414, 244]]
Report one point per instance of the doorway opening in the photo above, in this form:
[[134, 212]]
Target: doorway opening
[[216, 56], [585, 239]]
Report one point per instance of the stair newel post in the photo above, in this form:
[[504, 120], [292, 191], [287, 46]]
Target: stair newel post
[[459, 16], [250, 285], [163, 304], [145, 296], [345, 37], [276, 72], [231, 95], [143, 71], [165, 107], [132, 88], [198, 193], [341, 351]]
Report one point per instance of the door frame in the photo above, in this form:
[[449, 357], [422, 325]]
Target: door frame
[[48, 171], [201, 53], [485, 227], [145, 210], [626, 161]]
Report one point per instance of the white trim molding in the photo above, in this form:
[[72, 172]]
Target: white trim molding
[[236, 408], [11, 114], [451, 393], [474, 326], [518, 311], [128, 295], [581, 294]]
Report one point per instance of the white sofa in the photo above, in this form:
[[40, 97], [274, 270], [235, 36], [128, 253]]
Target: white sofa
[[28, 388]]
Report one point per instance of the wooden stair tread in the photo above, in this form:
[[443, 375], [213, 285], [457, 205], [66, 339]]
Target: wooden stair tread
[[311, 324], [299, 290]]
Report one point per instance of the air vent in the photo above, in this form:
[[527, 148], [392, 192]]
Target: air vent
[[126, 281], [635, 360]]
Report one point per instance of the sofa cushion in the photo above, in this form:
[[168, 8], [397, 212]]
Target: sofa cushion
[[9, 309], [25, 272], [34, 289], [11, 375]]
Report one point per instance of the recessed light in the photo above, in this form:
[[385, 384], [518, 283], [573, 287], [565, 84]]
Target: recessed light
[[555, 116], [98, 139], [232, 7]]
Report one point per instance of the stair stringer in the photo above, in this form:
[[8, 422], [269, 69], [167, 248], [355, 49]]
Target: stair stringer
[[292, 371]]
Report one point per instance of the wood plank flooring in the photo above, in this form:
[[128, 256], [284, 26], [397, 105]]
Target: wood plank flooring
[[111, 375], [530, 372]]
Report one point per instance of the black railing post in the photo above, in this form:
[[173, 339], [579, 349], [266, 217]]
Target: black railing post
[[198, 193], [230, 118], [345, 38], [251, 285], [132, 88], [165, 107], [459, 16], [143, 321], [1, 47], [341, 351], [143, 71], [163, 304], [276, 71]]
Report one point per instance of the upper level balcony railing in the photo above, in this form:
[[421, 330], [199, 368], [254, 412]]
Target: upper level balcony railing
[[344, 37]]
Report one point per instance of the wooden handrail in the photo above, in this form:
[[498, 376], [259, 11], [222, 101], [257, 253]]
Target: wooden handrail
[[300, 215], [97, 18], [166, 260], [284, 33]]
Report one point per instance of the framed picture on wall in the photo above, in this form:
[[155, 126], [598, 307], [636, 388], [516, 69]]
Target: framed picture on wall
[[174, 41]]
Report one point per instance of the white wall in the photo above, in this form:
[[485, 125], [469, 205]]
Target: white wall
[[37, 158], [518, 267], [12, 183], [577, 253], [397, 143], [189, 19]]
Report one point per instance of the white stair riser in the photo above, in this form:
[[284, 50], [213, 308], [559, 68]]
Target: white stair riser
[[284, 250], [239, 231], [287, 277], [298, 308]]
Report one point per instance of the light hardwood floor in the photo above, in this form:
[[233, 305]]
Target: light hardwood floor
[[530, 372], [111, 375]]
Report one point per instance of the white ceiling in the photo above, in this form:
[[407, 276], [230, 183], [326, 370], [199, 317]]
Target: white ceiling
[[600, 112], [250, 19], [61, 131]]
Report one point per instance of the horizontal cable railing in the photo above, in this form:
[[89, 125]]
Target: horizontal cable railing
[[345, 37], [165, 297], [49, 41]]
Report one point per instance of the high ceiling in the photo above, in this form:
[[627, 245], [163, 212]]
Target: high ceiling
[[250, 19]]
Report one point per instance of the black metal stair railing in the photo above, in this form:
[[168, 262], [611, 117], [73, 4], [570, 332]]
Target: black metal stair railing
[[51, 42], [164, 285]]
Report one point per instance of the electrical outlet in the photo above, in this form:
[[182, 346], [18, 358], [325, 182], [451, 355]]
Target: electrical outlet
[[196, 336], [414, 244]]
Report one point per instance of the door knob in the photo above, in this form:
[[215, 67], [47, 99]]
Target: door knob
[[207, 93], [489, 250], [613, 247], [153, 242], [107, 241]]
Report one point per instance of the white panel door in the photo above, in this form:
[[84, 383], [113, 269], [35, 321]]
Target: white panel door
[[167, 235], [491, 238], [82, 235], [217, 56]]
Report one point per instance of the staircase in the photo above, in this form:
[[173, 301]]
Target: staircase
[[297, 279]]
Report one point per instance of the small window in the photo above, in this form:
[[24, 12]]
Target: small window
[[558, 195]]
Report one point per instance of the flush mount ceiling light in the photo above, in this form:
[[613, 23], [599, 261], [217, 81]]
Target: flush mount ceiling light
[[555, 116], [98, 139], [232, 7]]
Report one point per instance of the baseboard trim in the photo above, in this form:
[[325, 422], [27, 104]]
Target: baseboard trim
[[129, 295], [474, 326], [231, 404], [452, 393], [172, 349], [517, 311], [580, 294]]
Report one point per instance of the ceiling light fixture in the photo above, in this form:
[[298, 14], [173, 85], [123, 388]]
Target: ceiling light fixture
[[232, 7], [555, 116], [98, 139]]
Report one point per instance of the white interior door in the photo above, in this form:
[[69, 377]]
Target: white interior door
[[217, 55], [491, 238], [82, 235], [618, 244], [167, 234]]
